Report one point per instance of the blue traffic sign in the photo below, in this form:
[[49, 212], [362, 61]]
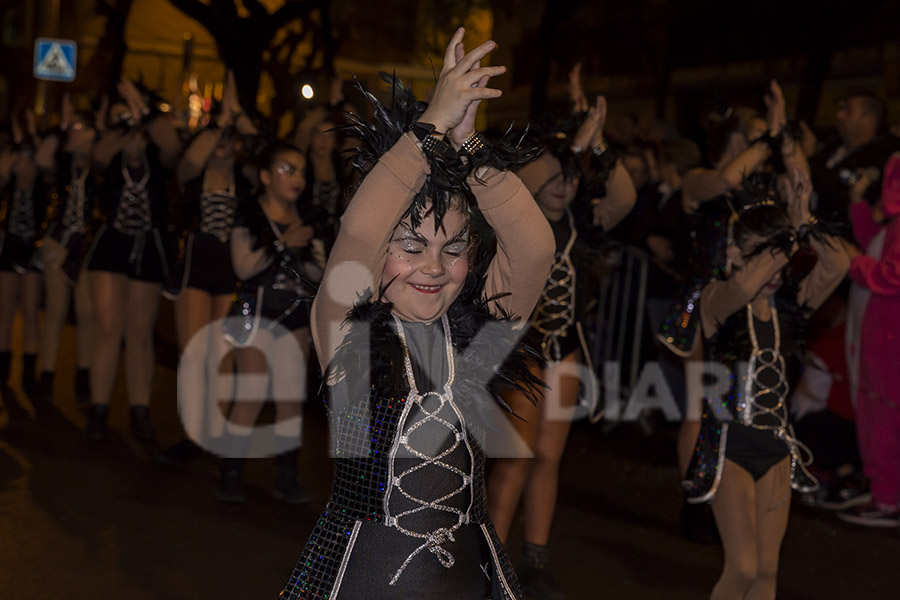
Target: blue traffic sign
[[54, 60]]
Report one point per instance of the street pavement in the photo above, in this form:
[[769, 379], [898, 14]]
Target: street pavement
[[101, 520]]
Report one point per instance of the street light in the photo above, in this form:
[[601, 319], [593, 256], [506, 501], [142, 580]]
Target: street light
[[307, 91]]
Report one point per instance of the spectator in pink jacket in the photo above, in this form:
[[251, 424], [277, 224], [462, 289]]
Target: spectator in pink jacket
[[877, 377]]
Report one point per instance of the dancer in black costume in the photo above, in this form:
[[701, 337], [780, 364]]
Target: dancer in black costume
[[66, 154], [407, 517], [746, 458], [22, 206]]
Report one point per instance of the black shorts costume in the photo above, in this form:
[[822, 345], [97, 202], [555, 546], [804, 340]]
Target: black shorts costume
[[207, 260], [138, 257], [70, 213], [133, 206], [20, 229]]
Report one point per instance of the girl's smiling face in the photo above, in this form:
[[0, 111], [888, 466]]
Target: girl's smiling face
[[426, 269]]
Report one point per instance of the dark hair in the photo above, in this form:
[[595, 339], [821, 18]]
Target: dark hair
[[766, 220], [267, 156]]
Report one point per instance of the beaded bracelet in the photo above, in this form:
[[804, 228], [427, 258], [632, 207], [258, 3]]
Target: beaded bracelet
[[473, 144]]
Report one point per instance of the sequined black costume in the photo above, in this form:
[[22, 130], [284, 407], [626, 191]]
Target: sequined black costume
[[22, 211], [134, 206], [207, 255], [408, 493], [750, 425], [70, 212], [278, 294]]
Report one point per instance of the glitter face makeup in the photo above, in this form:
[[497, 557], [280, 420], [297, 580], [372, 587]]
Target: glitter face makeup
[[425, 270]]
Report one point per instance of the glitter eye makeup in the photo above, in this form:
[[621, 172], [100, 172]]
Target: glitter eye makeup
[[286, 169], [455, 249], [410, 245]]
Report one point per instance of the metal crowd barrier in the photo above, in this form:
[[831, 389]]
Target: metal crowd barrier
[[616, 323]]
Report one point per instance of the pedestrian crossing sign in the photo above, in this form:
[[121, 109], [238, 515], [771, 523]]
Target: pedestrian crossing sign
[[54, 60]]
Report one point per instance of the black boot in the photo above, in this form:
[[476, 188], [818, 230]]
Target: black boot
[[287, 488], [83, 388], [5, 359], [141, 424], [45, 387], [98, 415], [29, 375], [537, 581], [230, 489]]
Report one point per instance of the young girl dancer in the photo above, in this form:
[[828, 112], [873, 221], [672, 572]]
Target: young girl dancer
[[747, 459], [22, 205], [67, 155], [212, 179], [555, 333], [126, 263], [407, 517], [275, 257]]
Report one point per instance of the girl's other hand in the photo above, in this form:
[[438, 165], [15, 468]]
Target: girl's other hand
[[297, 235], [461, 83]]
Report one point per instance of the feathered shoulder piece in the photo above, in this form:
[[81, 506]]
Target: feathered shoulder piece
[[449, 170]]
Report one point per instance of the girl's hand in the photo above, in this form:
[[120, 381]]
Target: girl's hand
[[576, 92], [297, 235], [776, 117], [461, 83], [133, 97], [796, 189], [231, 105], [592, 127]]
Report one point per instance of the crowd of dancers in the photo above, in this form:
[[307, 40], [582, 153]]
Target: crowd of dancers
[[443, 281]]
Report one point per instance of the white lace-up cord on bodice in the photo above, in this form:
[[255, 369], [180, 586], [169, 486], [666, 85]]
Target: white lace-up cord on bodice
[[433, 540], [217, 209], [763, 359], [557, 301], [73, 218], [21, 215], [133, 214]]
